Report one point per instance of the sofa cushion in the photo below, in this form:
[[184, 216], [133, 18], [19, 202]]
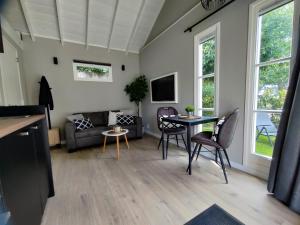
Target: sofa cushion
[[97, 118], [131, 130], [73, 117], [95, 131]]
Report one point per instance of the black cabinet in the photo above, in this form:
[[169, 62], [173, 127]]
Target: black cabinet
[[40, 140], [25, 173]]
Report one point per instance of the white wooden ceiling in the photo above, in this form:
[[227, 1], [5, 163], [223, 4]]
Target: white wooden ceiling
[[112, 24]]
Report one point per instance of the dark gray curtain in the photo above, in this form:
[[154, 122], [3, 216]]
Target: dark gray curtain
[[284, 177]]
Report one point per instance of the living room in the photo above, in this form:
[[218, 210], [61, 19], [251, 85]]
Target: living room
[[149, 112]]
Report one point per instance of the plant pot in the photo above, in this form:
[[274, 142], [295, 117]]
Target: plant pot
[[190, 114]]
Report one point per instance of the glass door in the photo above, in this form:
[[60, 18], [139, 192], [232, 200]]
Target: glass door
[[269, 82]]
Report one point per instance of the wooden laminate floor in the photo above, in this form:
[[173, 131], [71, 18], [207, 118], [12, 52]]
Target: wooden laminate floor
[[93, 188]]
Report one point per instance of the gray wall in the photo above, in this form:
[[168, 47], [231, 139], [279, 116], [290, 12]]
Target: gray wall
[[76, 96], [174, 51], [169, 13]]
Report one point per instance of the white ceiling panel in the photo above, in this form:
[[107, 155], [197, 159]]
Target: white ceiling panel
[[43, 17], [149, 14], [100, 21], [125, 19], [74, 19], [91, 25], [14, 15]]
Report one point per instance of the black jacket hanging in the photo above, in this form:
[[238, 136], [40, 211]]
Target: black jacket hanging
[[45, 97]]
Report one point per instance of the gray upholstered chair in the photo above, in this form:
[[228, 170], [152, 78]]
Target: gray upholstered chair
[[221, 141], [169, 128]]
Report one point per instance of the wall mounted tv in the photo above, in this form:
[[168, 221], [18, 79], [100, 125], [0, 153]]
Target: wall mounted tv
[[164, 89]]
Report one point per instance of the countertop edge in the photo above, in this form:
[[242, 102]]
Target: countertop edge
[[11, 124]]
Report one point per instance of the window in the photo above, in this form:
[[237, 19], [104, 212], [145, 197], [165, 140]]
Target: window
[[92, 71], [206, 74], [268, 74]]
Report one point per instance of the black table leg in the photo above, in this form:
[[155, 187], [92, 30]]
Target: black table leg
[[163, 142], [188, 137]]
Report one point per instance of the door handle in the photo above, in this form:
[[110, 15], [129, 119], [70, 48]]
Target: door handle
[[22, 134]]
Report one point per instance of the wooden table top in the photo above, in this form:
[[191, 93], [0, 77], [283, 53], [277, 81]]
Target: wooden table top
[[111, 133], [9, 125]]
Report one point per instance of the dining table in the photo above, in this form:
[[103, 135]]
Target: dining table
[[188, 123]]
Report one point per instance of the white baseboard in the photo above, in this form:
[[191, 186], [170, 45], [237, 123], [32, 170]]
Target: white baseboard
[[172, 141], [234, 165]]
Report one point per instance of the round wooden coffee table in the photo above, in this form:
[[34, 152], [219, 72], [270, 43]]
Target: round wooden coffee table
[[111, 133]]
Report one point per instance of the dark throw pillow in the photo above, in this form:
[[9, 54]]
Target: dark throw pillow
[[125, 119], [83, 124]]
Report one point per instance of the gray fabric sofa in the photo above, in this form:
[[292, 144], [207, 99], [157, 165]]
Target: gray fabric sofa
[[93, 136]]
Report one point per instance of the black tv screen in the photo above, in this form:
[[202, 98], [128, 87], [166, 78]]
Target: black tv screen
[[164, 89]]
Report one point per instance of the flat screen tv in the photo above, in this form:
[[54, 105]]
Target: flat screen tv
[[163, 89]]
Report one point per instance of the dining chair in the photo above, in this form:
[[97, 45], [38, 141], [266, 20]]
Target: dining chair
[[220, 139], [170, 129]]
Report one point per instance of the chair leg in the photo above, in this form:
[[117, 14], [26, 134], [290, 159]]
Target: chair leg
[[270, 141], [193, 155], [216, 156], [177, 140], [222, 164], [194, 152], [167, 148], [226, 155], [259, 133], [183, 142], [199, 150], [160, 141]]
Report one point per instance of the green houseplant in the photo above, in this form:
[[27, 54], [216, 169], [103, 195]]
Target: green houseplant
[[190, 109], [137, 90]]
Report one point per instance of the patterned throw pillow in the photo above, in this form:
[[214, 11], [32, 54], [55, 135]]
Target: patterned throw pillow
[[83, 124], [217, 129], [125, 119]]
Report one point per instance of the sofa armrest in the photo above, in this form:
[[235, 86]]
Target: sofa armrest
[[70, 135], [139, 126]]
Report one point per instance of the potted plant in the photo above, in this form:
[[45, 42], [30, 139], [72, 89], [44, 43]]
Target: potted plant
[[137, 90], [190, 109]]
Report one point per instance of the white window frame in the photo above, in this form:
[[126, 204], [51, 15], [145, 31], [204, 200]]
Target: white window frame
[[94, 79], [256, 164], [175, 74], [213, 31], [3, 72]]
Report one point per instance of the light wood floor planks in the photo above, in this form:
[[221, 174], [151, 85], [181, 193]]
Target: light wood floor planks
[[92, 188]]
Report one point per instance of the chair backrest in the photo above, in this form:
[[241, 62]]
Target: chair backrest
[[228, 128], [164, 111]]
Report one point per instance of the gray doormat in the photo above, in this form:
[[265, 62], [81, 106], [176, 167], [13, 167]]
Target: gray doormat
[[214, 215]]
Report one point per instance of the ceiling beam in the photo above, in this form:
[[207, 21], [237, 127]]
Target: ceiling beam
[[112, 25], [134, 28], [25, 11], [59, 21], [87, 23]]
